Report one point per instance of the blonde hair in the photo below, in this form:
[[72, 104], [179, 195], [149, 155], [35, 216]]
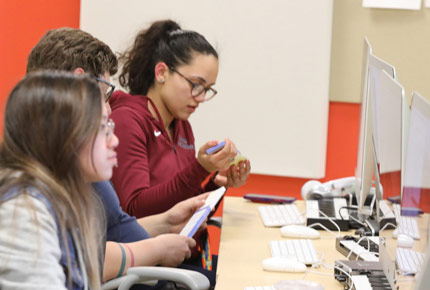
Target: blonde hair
[[50, 116]]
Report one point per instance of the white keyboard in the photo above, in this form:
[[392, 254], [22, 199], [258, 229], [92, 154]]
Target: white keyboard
[[280, 215], [405, 225], [302, 250], [260, 288], [360, 251], [409, 261]]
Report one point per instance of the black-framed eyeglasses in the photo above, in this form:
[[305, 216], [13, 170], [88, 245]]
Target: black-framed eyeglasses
[[110, 89], [197, 88]]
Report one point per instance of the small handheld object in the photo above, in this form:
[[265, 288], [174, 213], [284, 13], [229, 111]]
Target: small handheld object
[[215, 148], [201, 214], [265, 198]]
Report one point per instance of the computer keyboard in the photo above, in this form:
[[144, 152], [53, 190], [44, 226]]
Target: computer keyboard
[[280, 215], [405, 225], [330, 207], [348, 245], [409, 261], [303, 250]]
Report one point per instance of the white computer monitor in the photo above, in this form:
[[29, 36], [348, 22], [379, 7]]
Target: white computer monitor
[[364, 152], [368, 144], [388, 134], [416, 184]]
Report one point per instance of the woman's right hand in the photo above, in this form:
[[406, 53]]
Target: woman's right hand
[[219, 160], [175, 249]]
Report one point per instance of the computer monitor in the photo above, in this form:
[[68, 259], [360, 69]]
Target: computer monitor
[[388, 131], [416, 184], [370, 155], [365, 162]]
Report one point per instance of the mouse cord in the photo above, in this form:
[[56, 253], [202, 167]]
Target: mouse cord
[[407, 276], [331, 220], [386, 225], [328, 266], [320, 225], [357, 221]]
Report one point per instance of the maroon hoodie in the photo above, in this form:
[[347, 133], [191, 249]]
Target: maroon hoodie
[[153, 172]]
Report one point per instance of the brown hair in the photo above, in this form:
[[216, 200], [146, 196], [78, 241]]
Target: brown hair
[[69, 48], [50, 117]]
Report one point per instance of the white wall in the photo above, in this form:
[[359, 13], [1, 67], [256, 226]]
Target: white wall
[[273, 81]]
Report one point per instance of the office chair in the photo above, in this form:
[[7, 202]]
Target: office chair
[[149, 275]]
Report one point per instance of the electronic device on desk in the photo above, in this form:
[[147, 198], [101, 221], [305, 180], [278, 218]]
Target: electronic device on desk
[[278, 215], [359, 248], [266, 198], [302, 250], [313, 189], [409, 261], [423, 275], [362, 275], [416, 185], [405, 225], [334, 211]]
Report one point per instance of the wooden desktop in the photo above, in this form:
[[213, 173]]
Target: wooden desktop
[[244, 245]]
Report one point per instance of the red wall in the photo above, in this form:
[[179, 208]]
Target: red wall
[[22, 24]]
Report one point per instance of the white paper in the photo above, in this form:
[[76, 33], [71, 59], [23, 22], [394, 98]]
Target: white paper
[[393, 4]]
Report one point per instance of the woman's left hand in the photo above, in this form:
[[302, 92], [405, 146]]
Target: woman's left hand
[[234, 176]]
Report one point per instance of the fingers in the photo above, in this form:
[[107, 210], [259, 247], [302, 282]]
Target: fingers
[[218, 160], [237, 175]]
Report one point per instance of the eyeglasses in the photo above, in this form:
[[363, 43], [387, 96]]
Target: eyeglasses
[[109, 91], [109, 127], [197, 88]]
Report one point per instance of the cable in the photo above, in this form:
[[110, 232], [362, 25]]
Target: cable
[[331, 220], [387, 224], [320, 225], [346, 207]]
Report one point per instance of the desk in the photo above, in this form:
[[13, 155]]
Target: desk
[[245, 243]]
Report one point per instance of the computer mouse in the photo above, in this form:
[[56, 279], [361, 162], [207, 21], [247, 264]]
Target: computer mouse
[[283, 264], [298, 285], [299, 231], [405, 241]]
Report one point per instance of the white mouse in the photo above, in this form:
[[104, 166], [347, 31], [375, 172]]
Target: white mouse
[[283, 264], [298, 285], [405, 241], [298, 231]]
